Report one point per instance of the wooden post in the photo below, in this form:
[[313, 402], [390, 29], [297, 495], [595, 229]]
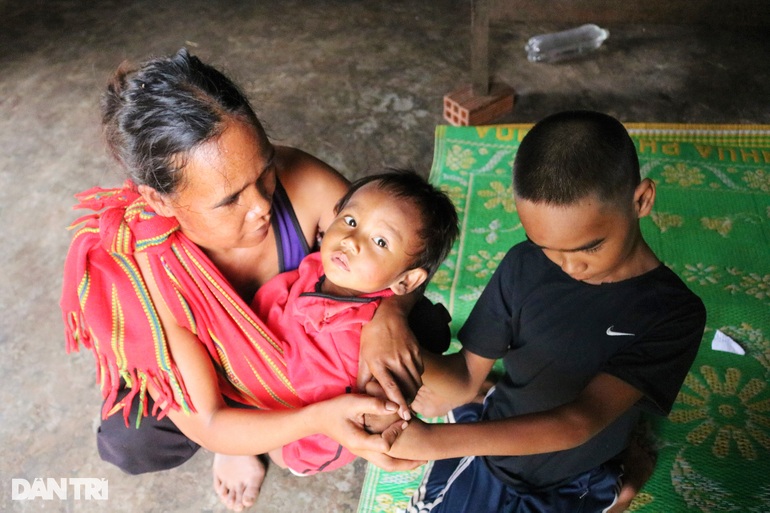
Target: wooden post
[[480, 46], [483, 100]]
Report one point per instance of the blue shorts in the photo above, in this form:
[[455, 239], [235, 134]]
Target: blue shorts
[[466, 485]]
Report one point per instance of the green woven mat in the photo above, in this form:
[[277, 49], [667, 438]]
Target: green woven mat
[[711, 225]]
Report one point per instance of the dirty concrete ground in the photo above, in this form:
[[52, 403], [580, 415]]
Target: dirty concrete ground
[[358, 84]]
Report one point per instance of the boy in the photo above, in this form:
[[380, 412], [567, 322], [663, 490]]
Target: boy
[[592, 328], [390, 234]]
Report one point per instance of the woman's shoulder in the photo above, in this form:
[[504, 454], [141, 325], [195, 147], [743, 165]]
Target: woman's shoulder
[[297, 168], [312, 185]]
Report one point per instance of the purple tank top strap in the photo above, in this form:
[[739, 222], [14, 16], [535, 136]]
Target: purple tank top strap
[[291, 243]]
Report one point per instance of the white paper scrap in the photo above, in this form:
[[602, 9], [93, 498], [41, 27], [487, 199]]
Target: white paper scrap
[[724, 343]]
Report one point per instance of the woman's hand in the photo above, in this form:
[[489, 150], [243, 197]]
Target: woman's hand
[[342, 419], [390, 353]]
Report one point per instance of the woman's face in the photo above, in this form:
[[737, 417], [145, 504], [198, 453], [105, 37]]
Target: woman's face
[[225, 197]]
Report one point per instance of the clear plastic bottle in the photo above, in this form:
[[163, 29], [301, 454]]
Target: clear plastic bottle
[[566, 44]]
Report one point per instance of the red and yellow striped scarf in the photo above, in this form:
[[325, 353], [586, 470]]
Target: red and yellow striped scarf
[[107, 308]]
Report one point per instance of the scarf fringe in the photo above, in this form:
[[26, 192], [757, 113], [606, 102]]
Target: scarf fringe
[[108, 377]]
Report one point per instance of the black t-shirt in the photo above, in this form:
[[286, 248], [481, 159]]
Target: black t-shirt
[[555, 333]]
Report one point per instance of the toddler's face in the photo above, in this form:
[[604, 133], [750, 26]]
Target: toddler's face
[[370, 244], [591, 241]]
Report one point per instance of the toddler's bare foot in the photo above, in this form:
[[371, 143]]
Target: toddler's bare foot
[[486, 386], [237, 480], [430, 404]]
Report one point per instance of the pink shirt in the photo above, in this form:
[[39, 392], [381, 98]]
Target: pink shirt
[[320, 336]]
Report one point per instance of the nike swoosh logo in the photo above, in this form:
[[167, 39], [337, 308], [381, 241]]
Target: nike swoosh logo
[[612, 333]]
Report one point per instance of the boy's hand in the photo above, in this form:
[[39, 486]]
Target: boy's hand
[[390, 354], [411, 440], [391, 434]]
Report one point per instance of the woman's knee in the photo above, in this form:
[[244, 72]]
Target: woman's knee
[[155, 445]]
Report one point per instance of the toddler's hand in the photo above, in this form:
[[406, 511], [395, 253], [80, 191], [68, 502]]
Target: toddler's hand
[[378, 423]]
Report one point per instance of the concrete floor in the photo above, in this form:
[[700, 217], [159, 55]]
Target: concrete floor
[[359, 84]]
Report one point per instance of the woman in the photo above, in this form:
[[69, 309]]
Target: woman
[[158, 282]]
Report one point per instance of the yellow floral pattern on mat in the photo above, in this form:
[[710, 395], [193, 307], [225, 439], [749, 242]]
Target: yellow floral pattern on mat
[[723, 410]]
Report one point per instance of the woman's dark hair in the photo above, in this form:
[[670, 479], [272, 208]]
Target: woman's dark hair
[[438, 217], [154, 115], [570, 155]]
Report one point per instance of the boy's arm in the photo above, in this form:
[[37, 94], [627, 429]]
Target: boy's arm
[[602, 401]]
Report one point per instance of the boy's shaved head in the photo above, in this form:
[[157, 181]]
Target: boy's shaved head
[[570, 155]]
